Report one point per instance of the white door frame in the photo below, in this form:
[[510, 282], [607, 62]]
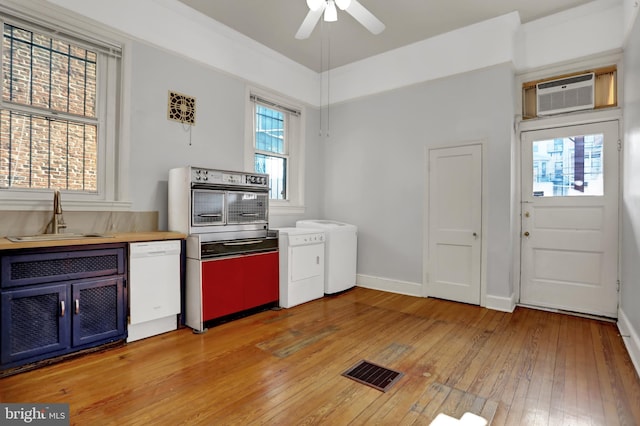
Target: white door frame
[[425, 225], [590, 117]]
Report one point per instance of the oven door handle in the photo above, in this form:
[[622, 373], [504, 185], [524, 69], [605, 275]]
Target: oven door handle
[[210, 215], [242, 243], [249, 214]]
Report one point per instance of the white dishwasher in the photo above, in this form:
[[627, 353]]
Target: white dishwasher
[[154, 288]]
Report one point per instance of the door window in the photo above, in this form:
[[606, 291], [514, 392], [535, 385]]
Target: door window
[[569, 166]]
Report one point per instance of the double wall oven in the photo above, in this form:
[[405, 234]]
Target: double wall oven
[[232, 256]]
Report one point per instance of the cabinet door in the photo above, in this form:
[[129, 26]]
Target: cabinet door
[[261, 285], [98, 310], [35, 322], [222, 285]]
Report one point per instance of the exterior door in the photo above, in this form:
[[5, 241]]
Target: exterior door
[[569, 213], [455, 222]]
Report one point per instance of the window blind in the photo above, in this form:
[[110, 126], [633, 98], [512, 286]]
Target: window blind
[[255, 98]]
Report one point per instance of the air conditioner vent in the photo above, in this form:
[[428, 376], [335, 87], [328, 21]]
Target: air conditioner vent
[[565, 95], [182, 108]]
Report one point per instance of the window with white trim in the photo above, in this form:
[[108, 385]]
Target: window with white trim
[[275, 145], [57, 121]]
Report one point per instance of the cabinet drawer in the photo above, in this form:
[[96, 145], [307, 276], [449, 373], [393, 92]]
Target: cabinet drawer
[[36, 268]]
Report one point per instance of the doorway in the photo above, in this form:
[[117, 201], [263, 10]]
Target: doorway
[[569, 239], [455, 223]]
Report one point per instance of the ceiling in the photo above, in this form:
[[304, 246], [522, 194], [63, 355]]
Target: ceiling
[[275, 22]]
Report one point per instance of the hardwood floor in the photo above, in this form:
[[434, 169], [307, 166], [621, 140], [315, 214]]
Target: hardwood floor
[[284, 367]]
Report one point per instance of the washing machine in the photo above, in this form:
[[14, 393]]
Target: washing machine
[[341, 252], [302, 256]]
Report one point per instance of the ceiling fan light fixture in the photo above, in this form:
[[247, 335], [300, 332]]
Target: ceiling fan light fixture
[[330, 12], [315, 4], [343, 4]]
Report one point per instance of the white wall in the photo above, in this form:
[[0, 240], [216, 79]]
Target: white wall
[[441, 56], [559, 38], [593, 28], [158, 144], [216, 140], [178, 28], [376, 165], [630, 280]]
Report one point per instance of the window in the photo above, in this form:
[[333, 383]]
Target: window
[[57, 125], [271, 152], [48, 120], [576, 164], [274, 146]]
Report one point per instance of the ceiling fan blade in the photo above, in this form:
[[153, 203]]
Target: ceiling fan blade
[[309, 23], [366, 18]]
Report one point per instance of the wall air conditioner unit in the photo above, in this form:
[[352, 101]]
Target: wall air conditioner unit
[[568, 94]]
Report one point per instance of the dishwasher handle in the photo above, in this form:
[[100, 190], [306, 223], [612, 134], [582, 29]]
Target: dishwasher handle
[[154, 249]]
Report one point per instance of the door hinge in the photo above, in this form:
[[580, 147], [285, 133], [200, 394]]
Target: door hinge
[[618, 286], [619, 145]]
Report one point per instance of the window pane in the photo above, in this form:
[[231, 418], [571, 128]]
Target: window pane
[[269, 130], [37, 152], [43, 150], [48, 73], [568, 166], [276, 167]]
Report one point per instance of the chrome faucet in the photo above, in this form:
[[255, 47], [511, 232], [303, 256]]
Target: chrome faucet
[[57, 221]]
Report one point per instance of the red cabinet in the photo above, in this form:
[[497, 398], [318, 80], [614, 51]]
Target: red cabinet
[[235, 284]]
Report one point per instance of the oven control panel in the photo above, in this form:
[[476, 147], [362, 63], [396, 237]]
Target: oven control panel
[[223, 177]]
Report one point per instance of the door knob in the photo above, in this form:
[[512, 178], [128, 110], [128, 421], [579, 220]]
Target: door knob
[[526, 234]]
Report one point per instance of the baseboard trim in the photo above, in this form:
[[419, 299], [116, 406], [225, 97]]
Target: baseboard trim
[[503, 304], [392, 286], [631, 339], [497, 303]]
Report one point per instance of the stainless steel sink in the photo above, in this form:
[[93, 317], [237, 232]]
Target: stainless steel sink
[[56, 237]]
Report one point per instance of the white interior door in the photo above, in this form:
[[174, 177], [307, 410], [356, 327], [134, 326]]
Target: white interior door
[[455, 222], [570, 218]]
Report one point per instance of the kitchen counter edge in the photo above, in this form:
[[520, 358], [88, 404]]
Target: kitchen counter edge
[[116, 237]]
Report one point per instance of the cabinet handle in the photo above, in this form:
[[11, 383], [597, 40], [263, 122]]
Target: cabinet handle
[[62, 308], [317, 260], [77, 306]]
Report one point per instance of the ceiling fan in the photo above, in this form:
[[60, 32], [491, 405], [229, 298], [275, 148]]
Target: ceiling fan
[[328, 7]]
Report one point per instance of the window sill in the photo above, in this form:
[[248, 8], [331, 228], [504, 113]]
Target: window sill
[[285, 209]]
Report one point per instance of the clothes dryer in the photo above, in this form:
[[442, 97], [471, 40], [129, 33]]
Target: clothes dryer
[[341, 252], [302, 258]]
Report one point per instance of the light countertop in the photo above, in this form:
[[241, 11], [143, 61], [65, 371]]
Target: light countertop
[[116, 237]]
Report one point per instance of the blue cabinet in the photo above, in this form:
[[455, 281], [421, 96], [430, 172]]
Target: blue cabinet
[[98, 311], [55, 302], [34, 322]]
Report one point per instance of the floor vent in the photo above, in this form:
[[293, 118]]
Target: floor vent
[[373, 375]]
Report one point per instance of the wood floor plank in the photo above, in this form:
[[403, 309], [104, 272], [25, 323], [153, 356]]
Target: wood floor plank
[[284, 367]]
